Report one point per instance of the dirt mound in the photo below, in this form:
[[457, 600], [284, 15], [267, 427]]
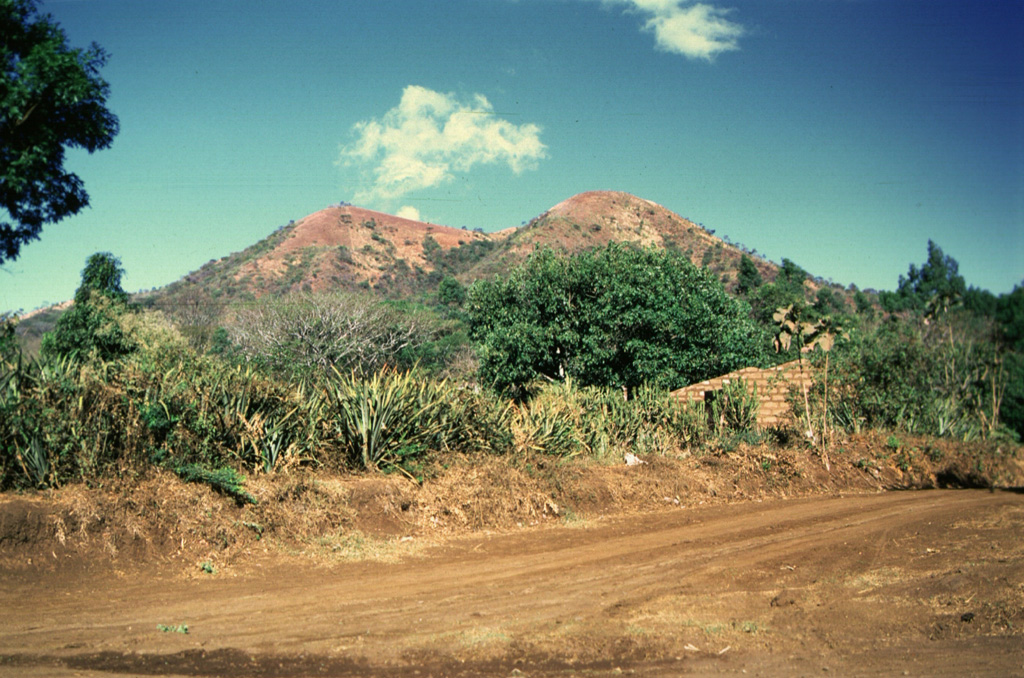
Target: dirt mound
[[326, 517]]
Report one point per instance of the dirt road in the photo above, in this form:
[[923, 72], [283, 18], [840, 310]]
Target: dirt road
[[899, 583]]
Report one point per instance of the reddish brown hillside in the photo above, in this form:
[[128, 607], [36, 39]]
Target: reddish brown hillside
[[341, 247], [597, 218], [346, 244], [348, 247], [353, 227]]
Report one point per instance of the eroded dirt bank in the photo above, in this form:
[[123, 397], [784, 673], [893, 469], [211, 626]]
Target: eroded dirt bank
[[891, 583]]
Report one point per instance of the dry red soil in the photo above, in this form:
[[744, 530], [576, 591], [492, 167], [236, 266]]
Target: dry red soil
[[920, 583]]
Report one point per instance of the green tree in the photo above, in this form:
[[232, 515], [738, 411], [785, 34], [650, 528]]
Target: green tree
[[981, 302], [9, 349], [617, 316], [933, 288], [1010, 318], [51, 98], [451, 292], [102, 276], [863, 304], [1010, 331], [748, 278], [827, 303], [92, 324], [786, 290], [791, 277]]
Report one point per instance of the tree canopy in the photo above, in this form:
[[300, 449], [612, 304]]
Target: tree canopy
[[932, 288], [51, 98], [748, 278], [617, 316], [91, 324]]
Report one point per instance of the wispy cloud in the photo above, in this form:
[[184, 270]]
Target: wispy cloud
[[695, 30], [429, 137]]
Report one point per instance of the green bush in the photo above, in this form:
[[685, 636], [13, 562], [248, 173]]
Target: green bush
[[60, 422], [617, 316], [568, 420], [737, 407], [224, 480], [935, 378], [91, 327], [66, 421], [548, 426], [388, 418]]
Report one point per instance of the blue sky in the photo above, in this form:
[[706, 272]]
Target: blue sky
[[842, 134]]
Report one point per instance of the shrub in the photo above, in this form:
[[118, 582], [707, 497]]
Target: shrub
[[737, 407], [60, 422], [938, 378], [567, 420], [389, 417], [302, 336], [548, 426], [615, 317], [65, 421], [91, 326], [224, 480]]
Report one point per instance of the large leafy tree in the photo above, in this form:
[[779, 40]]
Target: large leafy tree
[[617, 316], [933, 288], [51, 98], [91, 326]]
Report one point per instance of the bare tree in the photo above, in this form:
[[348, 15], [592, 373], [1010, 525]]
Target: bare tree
[[307, 333]]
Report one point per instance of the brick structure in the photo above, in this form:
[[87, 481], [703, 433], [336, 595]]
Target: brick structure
[[773, 386]]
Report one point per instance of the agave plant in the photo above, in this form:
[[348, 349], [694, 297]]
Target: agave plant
[[388, 417], [738, 407], [35, 463], [549, 426]]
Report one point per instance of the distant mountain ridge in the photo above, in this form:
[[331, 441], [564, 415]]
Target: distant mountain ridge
[[344, 247], [348, 247]]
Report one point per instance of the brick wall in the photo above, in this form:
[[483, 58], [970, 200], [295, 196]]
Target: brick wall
[[773, 386]]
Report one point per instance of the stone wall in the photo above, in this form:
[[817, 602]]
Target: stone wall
[[773, 386]]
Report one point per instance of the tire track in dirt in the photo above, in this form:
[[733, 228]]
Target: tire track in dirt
[[515, 591]]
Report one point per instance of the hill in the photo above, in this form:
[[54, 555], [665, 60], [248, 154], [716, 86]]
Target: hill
[[347, 247], [597, 218], [344, 247], [335, 248]]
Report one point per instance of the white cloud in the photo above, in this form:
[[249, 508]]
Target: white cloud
[[429, 137], [408, 212], [696, 31]]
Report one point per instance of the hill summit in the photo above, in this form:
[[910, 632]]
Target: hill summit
[[348, 247], [597, 218]]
